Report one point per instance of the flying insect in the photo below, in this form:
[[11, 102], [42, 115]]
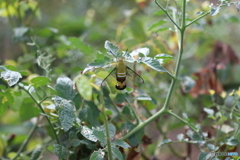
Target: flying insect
[[122, 71]]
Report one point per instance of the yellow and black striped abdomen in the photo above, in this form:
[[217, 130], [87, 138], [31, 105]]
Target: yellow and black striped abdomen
[[121, 73]]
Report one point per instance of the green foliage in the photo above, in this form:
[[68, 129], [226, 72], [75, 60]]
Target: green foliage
[[75, 42], [36, 153], [65, 112], [61, 151], [78, 118], [11, 77], [64, 88], [84, 87], [97, 155]]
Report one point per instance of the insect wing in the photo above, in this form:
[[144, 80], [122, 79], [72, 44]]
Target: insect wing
[[134, 76]]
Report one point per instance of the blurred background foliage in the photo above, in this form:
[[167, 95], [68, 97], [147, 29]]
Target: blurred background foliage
[[31, 29]]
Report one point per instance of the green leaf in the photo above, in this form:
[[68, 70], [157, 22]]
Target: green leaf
[[12, 77], [121, 143], [88, 133], [3, 68], [199, 13], [74, 139], [65, 111], [117, 153], [64, 88], [66, 116], [36, 154], [84, 87], [165, 141], [144, 51], [120, 98], [61, 151], [143, 97], [108, 101], [98, 63], [76, 42], [160, 12], [154, 64], [136, 138], [112, 130], [137, 30], [28, 109], [197, 137], [3, 107], [111, 48], [128, 113], [187, 83], [232, 141], [162, 29], [24, 73], [97, 155], [211, 147], [209, 111], [90, 113], [39, 81], [19, 31], [99, 133], [163, 56], [204, 156], [157, 24], [214, 10]]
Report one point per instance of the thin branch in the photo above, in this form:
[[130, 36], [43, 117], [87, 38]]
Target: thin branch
[[143, 124], [184, 121], [195, 20], [109, 148], [172, 76], [24, 144], [40, 107], [169, 95], [164, 135], [165, 11], [133, 110]]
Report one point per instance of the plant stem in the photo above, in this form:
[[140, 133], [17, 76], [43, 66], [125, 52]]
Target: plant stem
[[143, 124], [109, 148], [133, 110], [26, 141], [165, 108], [164, 136], [195, 20], [168, 73], [165, 11], [40, 107], [184, 121]]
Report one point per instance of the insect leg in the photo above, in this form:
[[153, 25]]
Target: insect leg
[[108, 76], [142, 81]]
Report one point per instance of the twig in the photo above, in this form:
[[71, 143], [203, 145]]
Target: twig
[[165, 11], [40, 107], [109, 148], [26, 141], [195, 20]]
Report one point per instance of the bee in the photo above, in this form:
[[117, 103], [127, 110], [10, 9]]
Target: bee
[[122, 72]]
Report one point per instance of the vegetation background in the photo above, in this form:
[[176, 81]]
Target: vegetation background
[[59, 38]]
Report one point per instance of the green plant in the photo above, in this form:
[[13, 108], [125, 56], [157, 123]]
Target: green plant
[[82, 118]]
